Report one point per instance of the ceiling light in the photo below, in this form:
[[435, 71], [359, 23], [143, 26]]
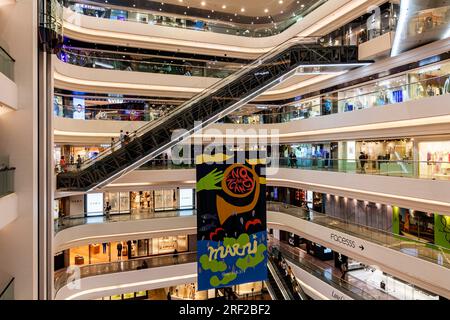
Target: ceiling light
[[242, 9], [180, 0], [224, 6], [203, 3], [280, 2], [235, 14], [302, 6], [266, 10]]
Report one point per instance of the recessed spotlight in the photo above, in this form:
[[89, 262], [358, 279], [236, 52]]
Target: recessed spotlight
[[180, 0], [302, 6], [203, 3], [224, 6], [134, 5], [266, 10], [235, 14], [280, 1], [242, 9], [281, 11]]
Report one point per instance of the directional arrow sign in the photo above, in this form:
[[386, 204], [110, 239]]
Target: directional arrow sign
[[361, 247]]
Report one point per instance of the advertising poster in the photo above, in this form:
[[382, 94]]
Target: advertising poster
[[78, 108], [231, 221]]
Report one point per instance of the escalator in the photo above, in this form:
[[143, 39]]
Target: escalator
[[206, 108], [273, 287]]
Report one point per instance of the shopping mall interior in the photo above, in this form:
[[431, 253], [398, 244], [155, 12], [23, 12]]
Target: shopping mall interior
[[177, 150]]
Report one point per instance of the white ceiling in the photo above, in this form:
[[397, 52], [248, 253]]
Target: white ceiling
[[253, 8]]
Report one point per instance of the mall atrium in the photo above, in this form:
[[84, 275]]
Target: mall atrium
[[224, 150]]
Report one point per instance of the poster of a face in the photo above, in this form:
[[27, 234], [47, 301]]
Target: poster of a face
[[78, 108]]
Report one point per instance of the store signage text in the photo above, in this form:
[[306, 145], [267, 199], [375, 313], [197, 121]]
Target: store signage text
[[343, 240]]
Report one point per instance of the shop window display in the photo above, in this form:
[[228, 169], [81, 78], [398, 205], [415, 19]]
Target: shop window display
[[381, 156], [165, 200], [434, 157], [417, 224]]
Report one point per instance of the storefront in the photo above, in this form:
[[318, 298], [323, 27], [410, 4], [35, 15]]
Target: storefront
[[124, 250], [434, 159], [119, 202]]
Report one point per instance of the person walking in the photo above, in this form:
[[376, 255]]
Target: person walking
[[62, 164], [105, 246], [79, 161], [129, 247], [126, 138], [121, 137], [119, 250], [107, 211], [112, 144], [362, 161], [344, 270], [293, 159], [175, 256]]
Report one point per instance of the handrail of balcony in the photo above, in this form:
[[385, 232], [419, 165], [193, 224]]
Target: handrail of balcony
[[120, 63], [64, 276], [6, 181], [6, 64]]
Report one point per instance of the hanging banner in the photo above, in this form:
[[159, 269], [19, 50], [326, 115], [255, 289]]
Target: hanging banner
[[231, 221]]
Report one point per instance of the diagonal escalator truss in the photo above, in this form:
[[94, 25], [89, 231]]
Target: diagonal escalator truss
[[207, 107]]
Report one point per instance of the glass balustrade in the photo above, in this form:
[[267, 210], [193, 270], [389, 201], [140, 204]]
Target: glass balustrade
[[352, 287], [417, 248], [420, 249], [325, 106], [142, 63], [78, 220], [436, 170], [275, 25], [6, 64], [64, 276], [6, 181]]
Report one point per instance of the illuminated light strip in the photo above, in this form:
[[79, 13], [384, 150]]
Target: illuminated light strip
[[378, 194], [401, 25], [121, 85], [159, 40], [129, 285], [85, 134], [136, 184]]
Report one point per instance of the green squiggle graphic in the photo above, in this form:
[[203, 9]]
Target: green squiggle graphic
[[252, 260], [212, 265], [227, 278]]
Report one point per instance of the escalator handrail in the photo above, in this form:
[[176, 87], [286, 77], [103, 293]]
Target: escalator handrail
[[208, 91]]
